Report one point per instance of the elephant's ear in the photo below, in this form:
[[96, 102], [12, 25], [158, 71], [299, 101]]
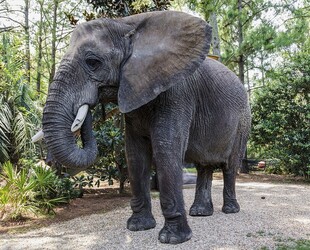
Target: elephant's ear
[[167, 47]]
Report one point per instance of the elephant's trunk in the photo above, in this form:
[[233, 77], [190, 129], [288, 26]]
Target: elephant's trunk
[[61, 142]]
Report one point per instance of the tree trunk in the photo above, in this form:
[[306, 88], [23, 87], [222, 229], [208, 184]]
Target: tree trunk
[[27, 41], [39, 59], [54, 29], [248, 79], [262, 67], [240, 41], [215, 35], [244, 167]]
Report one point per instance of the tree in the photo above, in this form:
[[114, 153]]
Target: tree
[[27, 40], [209, 9], [281, 116], [53, 42], [16, 120], [121, 8], [39, 49], [11, 15]]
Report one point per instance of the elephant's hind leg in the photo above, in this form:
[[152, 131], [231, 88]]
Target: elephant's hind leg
[[229, 173], [203, 205], [138, 153], [229, 193]]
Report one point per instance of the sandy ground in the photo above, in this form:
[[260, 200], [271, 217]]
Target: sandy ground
[[271, 215]]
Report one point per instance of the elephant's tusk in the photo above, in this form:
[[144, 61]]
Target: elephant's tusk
[[37, 137], [80, 117]]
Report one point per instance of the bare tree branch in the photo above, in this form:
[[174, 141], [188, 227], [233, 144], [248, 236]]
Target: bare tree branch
[[11, 19], [21, 11], [6, 29]]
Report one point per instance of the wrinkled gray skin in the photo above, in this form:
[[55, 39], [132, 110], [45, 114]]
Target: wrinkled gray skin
[[179, 107]]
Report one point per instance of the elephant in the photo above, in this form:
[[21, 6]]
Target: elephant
[[179, 105]]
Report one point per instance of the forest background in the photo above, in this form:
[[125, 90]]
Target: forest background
[[266, 43]]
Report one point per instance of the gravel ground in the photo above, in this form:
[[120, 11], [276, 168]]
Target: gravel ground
[[271, 214]]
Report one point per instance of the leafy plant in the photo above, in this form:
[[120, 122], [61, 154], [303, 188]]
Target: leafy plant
[[32, 191], [110, 139], [17, 195], [18, 112], [281, 118], [82, 181], [112, 9], [16, 126], [46, 195], [66, 187], [13, 131]]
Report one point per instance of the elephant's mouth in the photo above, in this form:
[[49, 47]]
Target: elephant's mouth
[[60, 135], [75, 127]]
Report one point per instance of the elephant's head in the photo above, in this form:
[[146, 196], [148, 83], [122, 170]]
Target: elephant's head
[[130, 61]]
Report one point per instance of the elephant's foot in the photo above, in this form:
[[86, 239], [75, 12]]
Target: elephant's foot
[[175, 231], [200, 209], [141, 221], [231, 207]]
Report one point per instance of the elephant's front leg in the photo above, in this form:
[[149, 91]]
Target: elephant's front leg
[[138, 152], [168, 159]]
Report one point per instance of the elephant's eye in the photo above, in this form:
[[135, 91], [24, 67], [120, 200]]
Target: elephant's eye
[[93, 63]]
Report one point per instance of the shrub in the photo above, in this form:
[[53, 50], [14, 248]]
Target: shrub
[[17, 195], [110, 139], [50, 190], [280, 113], [32, 191]]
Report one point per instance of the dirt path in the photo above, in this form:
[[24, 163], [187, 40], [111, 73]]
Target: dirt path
[[271, 214]]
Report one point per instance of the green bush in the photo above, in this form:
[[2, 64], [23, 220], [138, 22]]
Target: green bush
[[51, 190], [32, 191], [17, 195], [110, 139], [82, 181], [281, 117]]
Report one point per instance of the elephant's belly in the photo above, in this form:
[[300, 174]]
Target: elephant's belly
[[216, 149]]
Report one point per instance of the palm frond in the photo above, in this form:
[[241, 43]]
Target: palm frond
[[19, 133], [5, 130]]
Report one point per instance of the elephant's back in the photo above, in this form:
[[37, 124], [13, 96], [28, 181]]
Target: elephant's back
[[221, 85]]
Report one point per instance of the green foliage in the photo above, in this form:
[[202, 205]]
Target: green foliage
[[83, 181], [253, 35], [112, 9], [17, 125], [18, 113], [32, 191], [14, 131], [293, 244], [110, 139], [17, 195], [50, 190], [11, 64], [204, 7], [281, 116]]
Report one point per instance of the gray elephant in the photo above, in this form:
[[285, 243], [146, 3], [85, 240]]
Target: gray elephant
[[179, 107]]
